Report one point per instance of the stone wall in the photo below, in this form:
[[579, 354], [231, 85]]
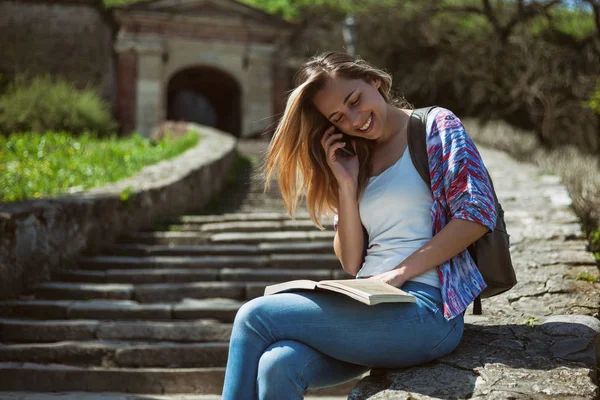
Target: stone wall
[[38, 237], [69, 38]]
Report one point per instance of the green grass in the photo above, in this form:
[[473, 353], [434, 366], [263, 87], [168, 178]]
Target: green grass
[[586, 276], [530, 322], [33, 165]]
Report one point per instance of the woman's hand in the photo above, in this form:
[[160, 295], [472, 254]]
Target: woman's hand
[[393, 277], [344, 168]]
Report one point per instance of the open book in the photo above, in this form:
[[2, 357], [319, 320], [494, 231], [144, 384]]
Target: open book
[[368, 291]]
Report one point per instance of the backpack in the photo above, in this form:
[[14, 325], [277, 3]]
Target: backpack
[[491, 252]]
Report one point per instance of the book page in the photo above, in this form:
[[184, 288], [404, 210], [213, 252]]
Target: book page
[[296, 284], [366, 287]]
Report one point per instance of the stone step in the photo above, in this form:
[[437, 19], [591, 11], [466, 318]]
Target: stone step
[[248, 226], [155, 293], [221, 309], [32, 331], [231, 217], [254, 208], [166, 238], [175, 262], [122, 396], [120, 354], [143, 293], [195, 238], [292, 261], [178, 275], [61, 378], [232, 238], [220, 249], [150, 381]]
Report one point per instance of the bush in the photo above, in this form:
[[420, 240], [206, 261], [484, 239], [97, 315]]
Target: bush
[[40, 104]]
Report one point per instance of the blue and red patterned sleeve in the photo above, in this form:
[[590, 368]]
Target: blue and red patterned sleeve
[[466, 184]]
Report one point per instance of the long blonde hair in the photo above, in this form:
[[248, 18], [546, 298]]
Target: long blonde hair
[[295, 150]]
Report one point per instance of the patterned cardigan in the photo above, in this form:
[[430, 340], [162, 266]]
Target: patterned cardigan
[[460, 189]]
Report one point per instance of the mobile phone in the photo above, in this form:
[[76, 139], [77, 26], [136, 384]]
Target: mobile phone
[[348, 149]]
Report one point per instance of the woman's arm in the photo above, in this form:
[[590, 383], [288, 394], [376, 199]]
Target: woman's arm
[[348, 241], [451, 240]]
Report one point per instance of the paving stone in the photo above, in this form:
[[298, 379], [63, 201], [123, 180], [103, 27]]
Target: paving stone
[[572, 325], [578, 349]]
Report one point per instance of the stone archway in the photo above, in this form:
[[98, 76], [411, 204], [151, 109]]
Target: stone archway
[[207, 96]]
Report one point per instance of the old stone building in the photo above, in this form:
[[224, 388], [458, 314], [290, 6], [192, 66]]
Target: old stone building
[[216, 62]]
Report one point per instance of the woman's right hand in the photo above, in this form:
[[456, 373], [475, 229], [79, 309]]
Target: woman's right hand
[[344, 168]]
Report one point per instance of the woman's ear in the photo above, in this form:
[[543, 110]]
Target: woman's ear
[[376, 82]]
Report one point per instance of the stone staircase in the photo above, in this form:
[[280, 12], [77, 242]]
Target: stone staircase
[[153, 313]]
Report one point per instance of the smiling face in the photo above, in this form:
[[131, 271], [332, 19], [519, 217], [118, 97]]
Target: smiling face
[[354, 106]]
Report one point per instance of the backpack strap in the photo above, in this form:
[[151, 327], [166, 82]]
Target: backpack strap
[[477, 306], [417, 146]]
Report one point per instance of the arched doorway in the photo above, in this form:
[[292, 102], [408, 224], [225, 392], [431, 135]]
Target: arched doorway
[[207, 96]]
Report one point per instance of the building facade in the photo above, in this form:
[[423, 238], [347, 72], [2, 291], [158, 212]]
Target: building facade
[[215, 62]]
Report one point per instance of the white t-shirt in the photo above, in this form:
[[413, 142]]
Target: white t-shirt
[[395, 210]]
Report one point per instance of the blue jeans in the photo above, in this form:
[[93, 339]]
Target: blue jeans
[[283, 344]]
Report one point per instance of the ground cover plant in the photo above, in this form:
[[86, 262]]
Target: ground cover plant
[[34, 165]]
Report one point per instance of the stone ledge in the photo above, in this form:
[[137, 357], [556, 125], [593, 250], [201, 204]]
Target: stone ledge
[[38, 237], [555, 358]]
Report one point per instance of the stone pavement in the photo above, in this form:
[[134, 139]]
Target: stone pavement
[[153, 313]]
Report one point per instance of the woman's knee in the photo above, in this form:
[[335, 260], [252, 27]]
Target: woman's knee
[[281, 367]]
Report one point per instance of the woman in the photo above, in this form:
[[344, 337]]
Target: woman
[[284, 344]]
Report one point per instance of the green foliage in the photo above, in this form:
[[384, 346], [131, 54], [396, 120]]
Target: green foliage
[[574, 22], [586, 276], [293, 9], [126, 194], [33, 165], [595, 244], [594, 102], [40, 104], [530, 322]]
